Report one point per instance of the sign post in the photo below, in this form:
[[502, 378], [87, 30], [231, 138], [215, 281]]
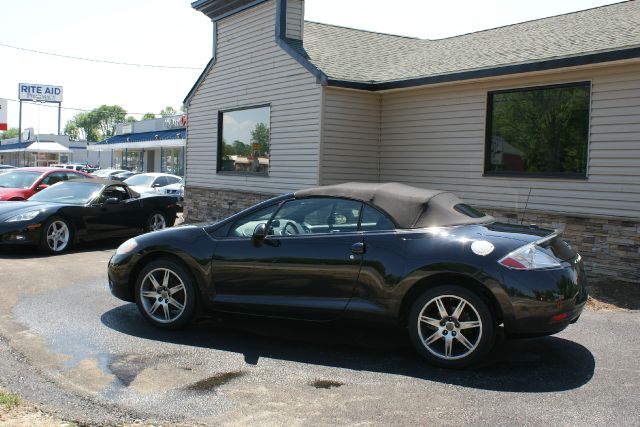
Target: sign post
[[39, 93], [4, 121]]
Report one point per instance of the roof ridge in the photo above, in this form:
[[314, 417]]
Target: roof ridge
[[365, 31], [617, 3]]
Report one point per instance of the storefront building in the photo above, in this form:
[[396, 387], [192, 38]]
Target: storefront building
[[41, 150], [155, 145]]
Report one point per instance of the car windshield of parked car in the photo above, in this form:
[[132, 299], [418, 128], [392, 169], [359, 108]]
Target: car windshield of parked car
[[78, 193], [18, 179], [140, 180]]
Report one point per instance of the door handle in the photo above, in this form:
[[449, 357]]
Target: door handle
[[358, 248]]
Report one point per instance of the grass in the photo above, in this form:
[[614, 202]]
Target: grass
[[9, 400]]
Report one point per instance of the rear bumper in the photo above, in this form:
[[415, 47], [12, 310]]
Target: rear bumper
[[547, 301]]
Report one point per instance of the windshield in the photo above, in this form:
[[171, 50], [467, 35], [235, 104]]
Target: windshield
[[18, 179], [73, 193], [142, 180]]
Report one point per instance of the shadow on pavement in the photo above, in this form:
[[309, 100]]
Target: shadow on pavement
[[533, 365], [31, 252]]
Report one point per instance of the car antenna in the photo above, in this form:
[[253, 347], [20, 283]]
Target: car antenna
[[524, 212]]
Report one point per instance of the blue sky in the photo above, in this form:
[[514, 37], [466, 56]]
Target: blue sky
[[171, 33]]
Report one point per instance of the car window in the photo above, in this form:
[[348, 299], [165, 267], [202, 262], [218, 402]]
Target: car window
[[71, 175], [316, 216], [161, 181], [244, 226], [114, 191], [374, 220], [172, 179], [54, 178]]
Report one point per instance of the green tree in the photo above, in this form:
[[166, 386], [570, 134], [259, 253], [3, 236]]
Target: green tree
[[8, 134], [83, 126], [107, 116], [130, 119], [148, 116], [168, 111], [260, 135]]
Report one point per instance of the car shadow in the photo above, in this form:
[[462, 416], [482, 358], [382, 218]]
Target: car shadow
[[31, 252], [532, 365]]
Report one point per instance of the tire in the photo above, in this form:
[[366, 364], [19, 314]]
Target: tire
[[156, 221], [56, 236], [157, 303], [451, 339]]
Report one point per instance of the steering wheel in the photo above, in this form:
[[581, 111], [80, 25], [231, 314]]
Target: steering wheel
[[294, 226]]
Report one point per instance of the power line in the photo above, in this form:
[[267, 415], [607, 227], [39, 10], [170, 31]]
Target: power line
[[175, 67], [68, 108]]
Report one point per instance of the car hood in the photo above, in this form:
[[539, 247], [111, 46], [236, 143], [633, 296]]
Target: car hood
[[9, 209]]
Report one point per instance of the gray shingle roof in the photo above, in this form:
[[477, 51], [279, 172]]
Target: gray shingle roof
[[361, 56]]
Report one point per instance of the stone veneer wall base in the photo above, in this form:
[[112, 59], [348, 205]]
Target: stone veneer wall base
[[610, 247]]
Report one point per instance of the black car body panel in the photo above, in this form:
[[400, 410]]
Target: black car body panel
[[370, 275]]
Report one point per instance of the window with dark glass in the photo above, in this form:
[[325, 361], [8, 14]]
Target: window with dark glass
[[374, 220], [316, 215], [539, 131], [243, 140]]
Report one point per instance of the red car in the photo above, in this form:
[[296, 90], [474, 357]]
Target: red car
[[22, 183]]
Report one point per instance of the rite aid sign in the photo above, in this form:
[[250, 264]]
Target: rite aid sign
[[36, 92]]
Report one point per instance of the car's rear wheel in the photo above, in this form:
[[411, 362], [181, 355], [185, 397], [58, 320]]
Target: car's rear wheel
[[166, 294], [56, 236], [157, 221], [451, 326]]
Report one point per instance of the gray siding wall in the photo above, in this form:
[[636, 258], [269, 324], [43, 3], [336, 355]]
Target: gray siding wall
[[251, 69], [351, 136], [434, 137], [295, 19]]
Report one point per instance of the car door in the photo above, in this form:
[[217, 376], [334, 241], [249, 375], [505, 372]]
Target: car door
[[116, 213], [306, 267]]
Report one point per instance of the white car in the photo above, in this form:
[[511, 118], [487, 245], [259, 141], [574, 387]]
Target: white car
[[176, 189], [151, 182]]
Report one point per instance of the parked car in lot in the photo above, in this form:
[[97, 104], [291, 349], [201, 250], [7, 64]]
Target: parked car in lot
[[381, 252], [107, 173], [4, 167], [81, 210], [151, 182], [123, 175], [21, 183]]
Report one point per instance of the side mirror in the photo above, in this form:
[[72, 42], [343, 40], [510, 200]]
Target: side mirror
[[112, 201], [41, 187], [156, 185], [259, 234]]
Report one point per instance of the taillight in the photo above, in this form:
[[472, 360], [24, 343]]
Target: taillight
[[529, 257]]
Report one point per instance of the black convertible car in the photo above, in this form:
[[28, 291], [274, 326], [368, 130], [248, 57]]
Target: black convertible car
[[382, 252], [83, 209]]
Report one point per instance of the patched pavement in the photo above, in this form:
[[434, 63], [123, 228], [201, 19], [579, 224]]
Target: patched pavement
[[71, 348]]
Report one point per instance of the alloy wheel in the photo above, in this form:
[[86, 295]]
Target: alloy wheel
[[449, 327], [58, 236], [157, 222], [163, 295]]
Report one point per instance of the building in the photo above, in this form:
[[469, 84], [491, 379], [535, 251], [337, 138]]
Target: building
[[155, 145], [42, 150], [537, 122]]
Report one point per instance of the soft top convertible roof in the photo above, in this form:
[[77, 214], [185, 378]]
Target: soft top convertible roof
[[409, 207]]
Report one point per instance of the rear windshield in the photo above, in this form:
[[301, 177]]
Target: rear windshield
[[469, 211]]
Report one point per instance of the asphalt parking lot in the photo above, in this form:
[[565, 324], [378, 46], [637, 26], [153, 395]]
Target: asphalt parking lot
[[75, 351]]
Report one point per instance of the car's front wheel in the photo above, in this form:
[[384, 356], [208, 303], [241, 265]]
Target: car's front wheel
[[166, 294], [451, 326], [56, 236]]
